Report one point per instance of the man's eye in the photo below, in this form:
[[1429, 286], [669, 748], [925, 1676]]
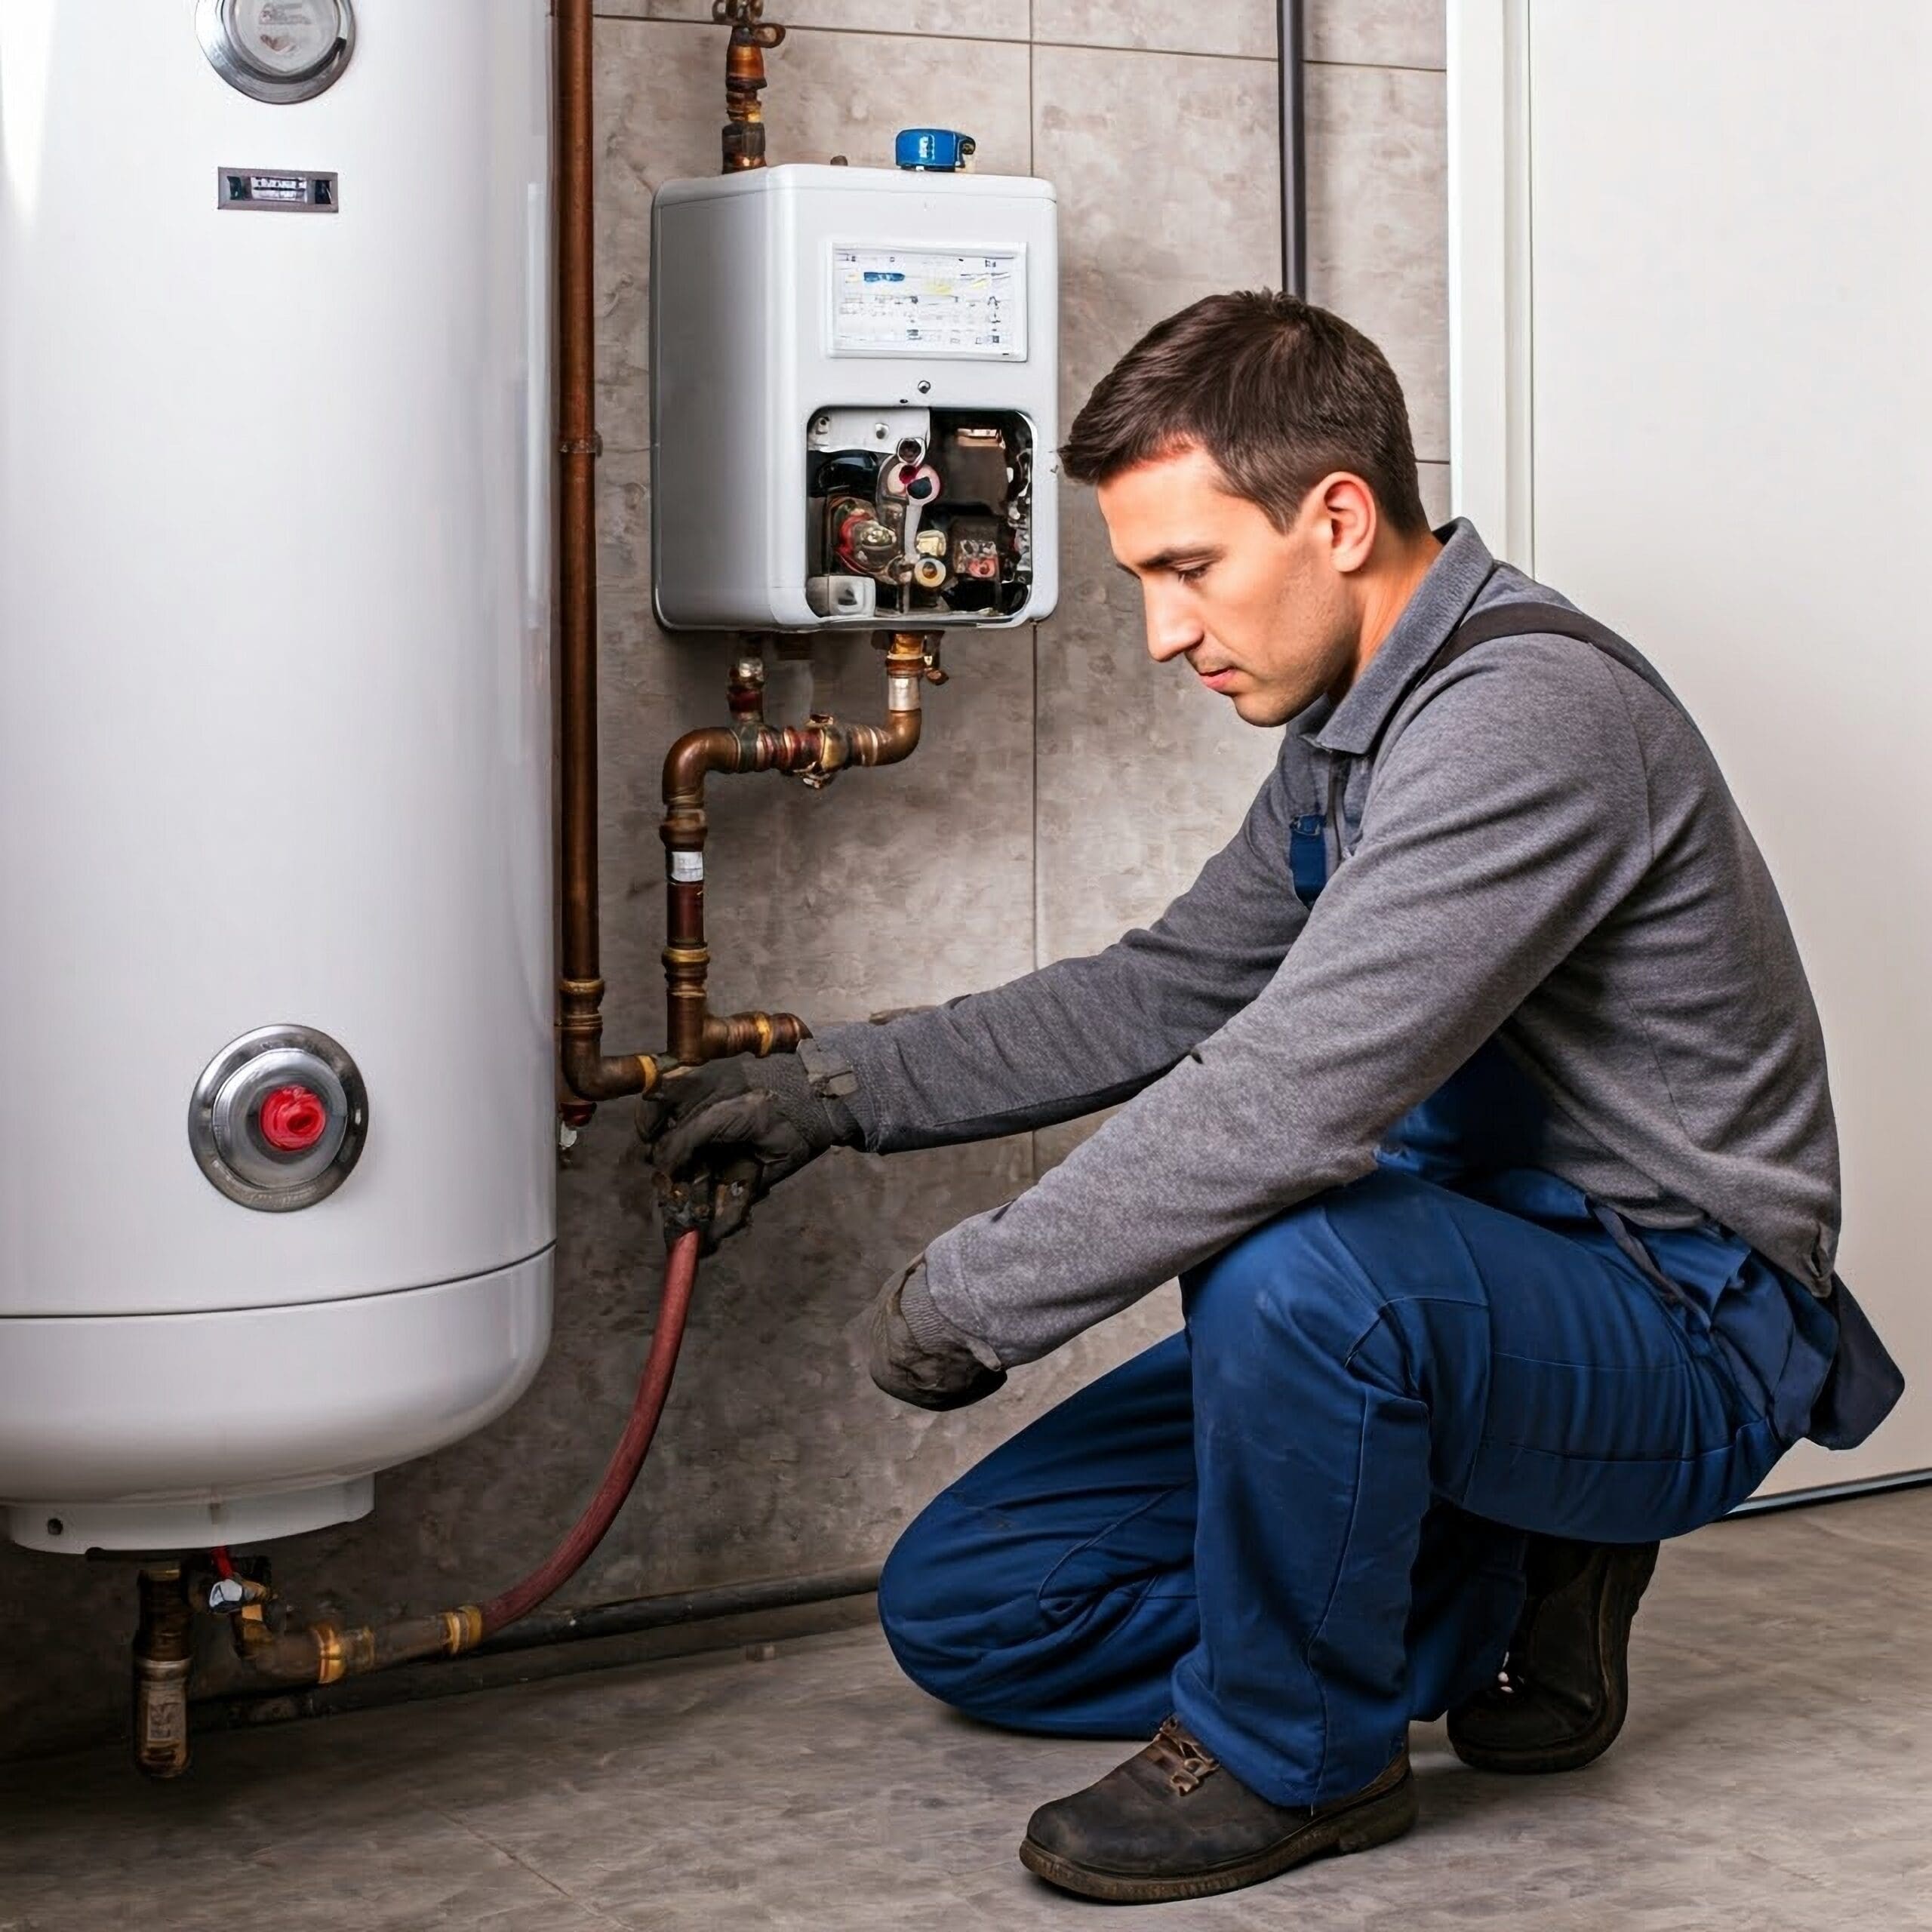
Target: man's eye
[[1192, 574]]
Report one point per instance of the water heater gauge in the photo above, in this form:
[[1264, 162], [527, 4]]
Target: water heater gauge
[[278, 50]]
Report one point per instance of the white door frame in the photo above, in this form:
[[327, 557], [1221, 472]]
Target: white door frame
[[1491, 453]]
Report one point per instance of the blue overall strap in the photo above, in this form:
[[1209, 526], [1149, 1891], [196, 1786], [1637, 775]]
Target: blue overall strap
[[1308, 856]]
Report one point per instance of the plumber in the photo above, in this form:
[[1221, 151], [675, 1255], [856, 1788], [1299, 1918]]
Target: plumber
[[1474, 1092]]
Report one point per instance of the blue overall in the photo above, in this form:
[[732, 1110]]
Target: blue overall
[[1299, 1523]]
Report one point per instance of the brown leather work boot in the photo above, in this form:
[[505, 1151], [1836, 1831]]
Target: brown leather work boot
[[1174, 1822], [1565, 1684]]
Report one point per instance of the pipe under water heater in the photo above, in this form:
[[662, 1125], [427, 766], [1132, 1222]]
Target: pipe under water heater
[[276, 1129]]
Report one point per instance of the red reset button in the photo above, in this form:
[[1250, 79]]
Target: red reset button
[[294, 1118]]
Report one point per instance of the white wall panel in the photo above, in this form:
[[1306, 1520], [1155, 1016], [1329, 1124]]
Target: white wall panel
[[1724, 402]]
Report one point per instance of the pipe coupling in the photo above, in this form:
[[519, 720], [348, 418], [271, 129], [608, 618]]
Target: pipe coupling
[[331, 1666], [580, 1003], [463, 1627]]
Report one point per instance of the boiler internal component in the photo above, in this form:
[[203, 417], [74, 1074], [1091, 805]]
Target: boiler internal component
[[941, 523]]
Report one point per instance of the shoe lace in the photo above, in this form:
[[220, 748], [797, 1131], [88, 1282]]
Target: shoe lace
[[1186, 1761]]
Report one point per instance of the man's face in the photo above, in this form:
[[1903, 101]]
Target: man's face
[[1265, 617]]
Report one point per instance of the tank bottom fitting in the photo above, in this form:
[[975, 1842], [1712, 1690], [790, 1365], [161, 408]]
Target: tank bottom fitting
[[163, 1658]]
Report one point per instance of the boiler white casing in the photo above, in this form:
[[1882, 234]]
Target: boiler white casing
[[745, 350], [274, 748]]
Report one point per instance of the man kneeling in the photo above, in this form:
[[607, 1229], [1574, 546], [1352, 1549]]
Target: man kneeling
[[1474, 1092]]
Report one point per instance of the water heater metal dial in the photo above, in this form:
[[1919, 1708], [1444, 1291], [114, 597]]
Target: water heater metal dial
[[278, 1118], [278, 50]]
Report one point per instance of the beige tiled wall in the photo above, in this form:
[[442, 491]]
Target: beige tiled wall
[[1066, 788]]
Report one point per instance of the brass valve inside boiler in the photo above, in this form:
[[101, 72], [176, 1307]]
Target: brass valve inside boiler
[[937, 522]]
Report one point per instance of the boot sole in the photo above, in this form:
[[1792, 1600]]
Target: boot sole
[[1615, 1616], [1372, 1819]]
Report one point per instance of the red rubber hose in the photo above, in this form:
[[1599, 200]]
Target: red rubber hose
[[563, 1562]]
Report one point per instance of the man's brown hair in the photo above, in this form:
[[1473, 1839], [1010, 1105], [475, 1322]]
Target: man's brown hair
[[1278, 393]]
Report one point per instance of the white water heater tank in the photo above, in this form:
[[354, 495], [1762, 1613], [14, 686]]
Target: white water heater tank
[[276, 1169]]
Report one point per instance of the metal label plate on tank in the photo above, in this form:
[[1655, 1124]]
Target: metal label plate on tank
[[929, 301], [285, 190]]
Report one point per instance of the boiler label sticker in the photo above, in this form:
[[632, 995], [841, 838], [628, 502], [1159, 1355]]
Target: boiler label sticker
[[687, 868], [279, 188], [929, 301]]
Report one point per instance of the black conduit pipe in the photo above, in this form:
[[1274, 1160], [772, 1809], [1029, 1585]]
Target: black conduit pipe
[[1294, 150], [548, 1639]]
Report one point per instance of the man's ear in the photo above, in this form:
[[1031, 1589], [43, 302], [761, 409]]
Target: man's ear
[[1349, 520]]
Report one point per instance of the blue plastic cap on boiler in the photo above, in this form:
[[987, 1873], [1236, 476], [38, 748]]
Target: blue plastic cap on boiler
[[933, 150]]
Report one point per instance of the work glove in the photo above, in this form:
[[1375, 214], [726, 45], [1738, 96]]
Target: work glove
[[724, 1134], [919, 1356]]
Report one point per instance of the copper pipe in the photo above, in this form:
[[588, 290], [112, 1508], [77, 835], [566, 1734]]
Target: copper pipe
[[590, 1073], [816, 753], [587, 1072], [744, 80], [326, 1654]]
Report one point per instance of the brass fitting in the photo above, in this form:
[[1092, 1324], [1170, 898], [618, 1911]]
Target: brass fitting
[[751, 38], [587, 1072], [464, 1627], [163, 1659], [331, 1667], [746, 693], [322, 1654], [815, 754], [763, 1034]]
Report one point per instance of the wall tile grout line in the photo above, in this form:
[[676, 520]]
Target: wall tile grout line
[[1379, 66]]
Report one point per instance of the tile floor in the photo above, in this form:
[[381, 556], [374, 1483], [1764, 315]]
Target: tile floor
[[1775, 1774]]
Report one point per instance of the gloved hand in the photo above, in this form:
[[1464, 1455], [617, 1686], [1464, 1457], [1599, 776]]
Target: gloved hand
[[919, 1356], [736, 1128]]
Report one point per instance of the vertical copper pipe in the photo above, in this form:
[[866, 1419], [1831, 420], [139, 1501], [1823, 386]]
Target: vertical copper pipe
[[576, 666], [587, 1072]]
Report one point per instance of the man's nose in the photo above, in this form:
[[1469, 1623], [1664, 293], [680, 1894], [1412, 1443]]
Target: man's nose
[[1172, 628]]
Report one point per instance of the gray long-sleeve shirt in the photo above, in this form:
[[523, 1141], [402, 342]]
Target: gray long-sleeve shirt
[[1534, 844]]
